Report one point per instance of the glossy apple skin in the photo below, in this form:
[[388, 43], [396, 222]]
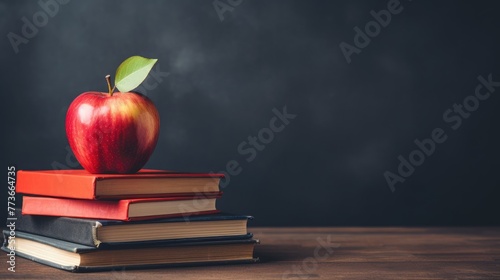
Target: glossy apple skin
[[112, 134]]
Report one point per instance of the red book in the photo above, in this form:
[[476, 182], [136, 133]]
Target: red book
[[145, 183], [123, 210]]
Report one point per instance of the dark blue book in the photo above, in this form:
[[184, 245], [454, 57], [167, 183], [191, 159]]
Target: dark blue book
[[81, 258], [108, 233]]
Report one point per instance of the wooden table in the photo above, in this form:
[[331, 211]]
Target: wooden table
[[331, 253]]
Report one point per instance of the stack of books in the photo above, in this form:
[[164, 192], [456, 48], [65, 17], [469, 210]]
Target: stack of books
[[77, 221]]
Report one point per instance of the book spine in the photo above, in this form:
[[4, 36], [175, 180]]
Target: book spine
[[76, 208], [67, 229], [57, 185]]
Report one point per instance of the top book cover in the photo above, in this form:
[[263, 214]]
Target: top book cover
[[78, 183]]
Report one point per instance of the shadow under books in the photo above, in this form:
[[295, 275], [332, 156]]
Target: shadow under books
[[280, 253]]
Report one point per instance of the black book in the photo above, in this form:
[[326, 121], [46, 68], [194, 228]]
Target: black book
[[80, 258], [108, 233]]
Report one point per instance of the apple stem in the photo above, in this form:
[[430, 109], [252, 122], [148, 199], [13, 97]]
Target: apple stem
[[110, 90]]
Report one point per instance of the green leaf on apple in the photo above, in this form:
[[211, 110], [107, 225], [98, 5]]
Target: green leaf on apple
[[132, 72]]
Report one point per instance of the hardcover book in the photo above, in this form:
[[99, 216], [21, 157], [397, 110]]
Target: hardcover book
[[109, 233], [123, 210], [80, 258], [145, 183]]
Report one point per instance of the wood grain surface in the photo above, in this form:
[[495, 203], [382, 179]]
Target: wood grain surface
[[330, 253]]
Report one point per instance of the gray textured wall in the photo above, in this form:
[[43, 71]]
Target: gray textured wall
[[226, 73]]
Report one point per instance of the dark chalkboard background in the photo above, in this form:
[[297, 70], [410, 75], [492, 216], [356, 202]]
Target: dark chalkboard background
[[225, 77]]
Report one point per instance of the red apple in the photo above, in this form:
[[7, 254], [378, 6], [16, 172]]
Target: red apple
[[112, 132]]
